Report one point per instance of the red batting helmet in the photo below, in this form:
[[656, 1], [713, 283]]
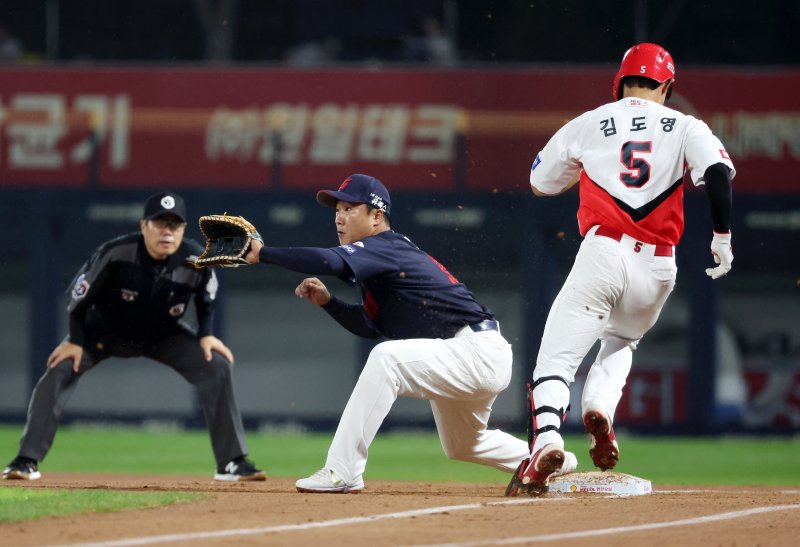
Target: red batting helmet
[[647, 60]]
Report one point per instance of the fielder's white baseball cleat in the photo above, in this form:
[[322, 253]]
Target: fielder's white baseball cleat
[[603, 447], [325, 481], [533, 474]]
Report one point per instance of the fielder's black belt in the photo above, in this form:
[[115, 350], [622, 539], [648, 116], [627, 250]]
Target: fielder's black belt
[[488, 324]]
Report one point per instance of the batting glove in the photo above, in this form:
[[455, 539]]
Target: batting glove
[[723, 255]]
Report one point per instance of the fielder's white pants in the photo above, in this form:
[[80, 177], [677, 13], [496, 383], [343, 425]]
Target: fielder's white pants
[[460, 376], [613, 293]]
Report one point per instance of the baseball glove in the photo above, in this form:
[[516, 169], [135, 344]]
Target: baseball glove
[[227, 241]]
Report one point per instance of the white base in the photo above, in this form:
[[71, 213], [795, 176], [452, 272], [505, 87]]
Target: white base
[[600, 482]]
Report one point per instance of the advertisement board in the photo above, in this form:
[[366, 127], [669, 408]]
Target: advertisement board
[[421, 130]]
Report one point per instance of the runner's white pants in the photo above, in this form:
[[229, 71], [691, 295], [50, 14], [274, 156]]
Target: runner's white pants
[[461, 377], [614, 293]]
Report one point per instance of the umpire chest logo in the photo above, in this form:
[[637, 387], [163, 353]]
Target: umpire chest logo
[[129, 295], [177, 310]]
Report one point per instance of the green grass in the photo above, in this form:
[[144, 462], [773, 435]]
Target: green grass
[[741, 461], [18, 504], [412, 457], [773, 461]]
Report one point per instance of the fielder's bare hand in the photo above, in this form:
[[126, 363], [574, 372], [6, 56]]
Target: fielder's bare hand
[[212, 343], [313, 290], [66, 350], [252, 255]]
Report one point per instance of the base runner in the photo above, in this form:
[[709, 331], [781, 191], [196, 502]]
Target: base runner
[[629, 158]]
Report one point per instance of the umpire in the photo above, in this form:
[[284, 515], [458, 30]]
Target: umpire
[[128, 300]]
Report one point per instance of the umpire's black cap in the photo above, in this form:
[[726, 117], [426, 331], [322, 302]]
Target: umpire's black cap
[[358, 189], [164, 203]]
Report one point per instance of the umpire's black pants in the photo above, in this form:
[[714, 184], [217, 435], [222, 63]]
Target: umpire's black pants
[[212, 379]]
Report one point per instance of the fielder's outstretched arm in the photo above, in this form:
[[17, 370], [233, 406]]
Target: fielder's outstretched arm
[[307, 260]]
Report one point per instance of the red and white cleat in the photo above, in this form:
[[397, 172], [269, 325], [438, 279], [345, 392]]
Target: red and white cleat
[[603, 447], [533, 474]]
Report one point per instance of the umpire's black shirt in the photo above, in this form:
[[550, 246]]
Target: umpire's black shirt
[[124, 292]]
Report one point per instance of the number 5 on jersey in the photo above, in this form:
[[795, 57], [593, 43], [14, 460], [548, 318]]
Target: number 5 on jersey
[[638, 169]]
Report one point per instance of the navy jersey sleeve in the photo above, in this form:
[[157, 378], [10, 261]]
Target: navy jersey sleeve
[[307, 260], [352, 317]]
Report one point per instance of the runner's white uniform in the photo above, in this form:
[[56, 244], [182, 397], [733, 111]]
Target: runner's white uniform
[[634, 154]]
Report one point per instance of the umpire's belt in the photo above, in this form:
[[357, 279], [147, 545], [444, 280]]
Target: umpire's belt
[[637, 246], [488, 324]]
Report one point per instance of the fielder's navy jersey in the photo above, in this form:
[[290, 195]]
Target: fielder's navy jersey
[[406, 292]]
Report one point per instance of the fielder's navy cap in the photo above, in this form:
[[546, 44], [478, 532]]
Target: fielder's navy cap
[[164, 203], [358, 189]]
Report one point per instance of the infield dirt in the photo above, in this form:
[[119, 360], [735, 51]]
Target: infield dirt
[[409, 513]]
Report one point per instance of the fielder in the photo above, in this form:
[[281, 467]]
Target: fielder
[[632, 156], [444, 345]]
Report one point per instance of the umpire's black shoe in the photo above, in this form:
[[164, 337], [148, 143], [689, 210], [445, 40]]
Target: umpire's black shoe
[[239, 469], [22, 468]]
